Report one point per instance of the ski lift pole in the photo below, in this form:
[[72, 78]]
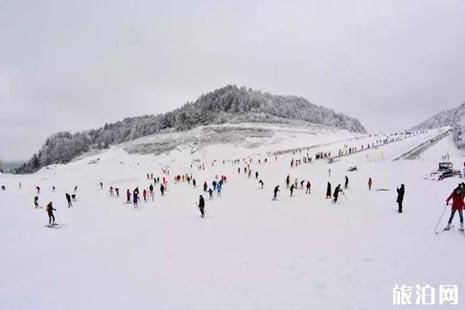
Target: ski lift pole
[[440, 218]]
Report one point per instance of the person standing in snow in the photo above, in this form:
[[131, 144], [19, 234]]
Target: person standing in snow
[[288, 181], [370, 183], [256, 175], [457, 205], [261, 183], [36, 202], [117, 192], [38, 189], [275, 192], [135, 199], [51, 217], [337, 190], [201, 206], [128, 196], [210, 193], [309, 187], [328, 190], [101, 185], [144, 194], [400, 197], [162, 189], [205, 186], [151, 191], [346, 183], [68, 199], [292, 190]]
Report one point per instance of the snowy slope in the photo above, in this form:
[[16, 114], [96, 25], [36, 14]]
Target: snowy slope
[[249, 252]]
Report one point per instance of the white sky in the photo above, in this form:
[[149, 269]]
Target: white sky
[[72, 65]]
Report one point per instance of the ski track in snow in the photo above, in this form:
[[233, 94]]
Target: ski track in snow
[[249, 252]]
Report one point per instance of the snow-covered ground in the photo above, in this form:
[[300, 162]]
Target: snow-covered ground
[[249, 252]]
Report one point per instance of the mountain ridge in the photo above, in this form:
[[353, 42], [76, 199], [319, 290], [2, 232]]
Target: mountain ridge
[[229, 104]]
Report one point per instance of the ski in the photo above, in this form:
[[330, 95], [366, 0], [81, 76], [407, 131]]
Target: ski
[[444, 230]]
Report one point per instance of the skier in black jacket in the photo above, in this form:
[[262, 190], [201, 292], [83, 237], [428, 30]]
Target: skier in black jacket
[[400, 197], [201, 206]]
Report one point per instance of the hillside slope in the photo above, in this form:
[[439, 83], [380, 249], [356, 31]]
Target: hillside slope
[[229, 104]]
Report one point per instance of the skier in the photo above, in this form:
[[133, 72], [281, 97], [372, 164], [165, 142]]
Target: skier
[[53, 188], [111, 191], [101, 185], [36, 202], [261, 183], [128, 196], [135, 199], [75, 188], [400, 197], [288, 180], [309, 187], [292, 189], [275, 192], [68, 199], [144, 194], [256, 175], [328, 191], [336, 193], [210, 193], [162, 189], [194, 183], [38, 189], [205, 186], [457, 205], [346, 183], [370, 183], [151, 191], [201, 206], [117, 192], [51, 217]]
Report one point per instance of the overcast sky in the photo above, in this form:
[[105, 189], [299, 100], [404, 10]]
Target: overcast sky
[[73, 65]]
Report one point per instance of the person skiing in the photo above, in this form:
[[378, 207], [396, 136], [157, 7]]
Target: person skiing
[[275, 192], [51, 217], [309, 187], [53, 188], [346, 183], [400, 197], [75, 188], [144, 194], [135, 199], [38, 189], [128, 196], [288, 181], [111, 191], [370, 183], [151, 191], [36, 202], [201, 206], [194, 183], [336, 193], [101, 185], [328, 190], [256, 175], [292, 189], [117, 192], [261, 183], [162, 189], [210, 193], [457, 205], [68, 199], [205, 186]]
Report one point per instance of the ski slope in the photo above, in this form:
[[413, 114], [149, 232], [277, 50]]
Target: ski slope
[[249, 252]]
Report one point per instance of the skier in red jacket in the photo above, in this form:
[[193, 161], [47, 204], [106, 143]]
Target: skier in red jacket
[[457, 205]]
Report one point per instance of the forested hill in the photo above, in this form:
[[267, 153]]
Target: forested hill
[[230, 104], [454, 118]]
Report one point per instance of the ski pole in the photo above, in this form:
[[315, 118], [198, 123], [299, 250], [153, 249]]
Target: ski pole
[[440, 218]]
